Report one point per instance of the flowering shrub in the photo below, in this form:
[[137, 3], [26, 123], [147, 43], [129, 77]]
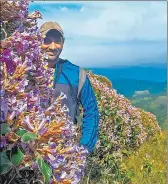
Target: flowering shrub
[[123, 128], [104, 80], [35, 129]]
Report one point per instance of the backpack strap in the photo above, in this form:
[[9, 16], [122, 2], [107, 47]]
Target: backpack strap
[[82, 78], [70, 85], [57, 75], [58, 71]]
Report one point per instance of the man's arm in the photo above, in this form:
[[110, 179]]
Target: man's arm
[[90, 117]]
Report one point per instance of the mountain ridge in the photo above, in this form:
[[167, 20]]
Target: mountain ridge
[[127, 87], [147, 73]]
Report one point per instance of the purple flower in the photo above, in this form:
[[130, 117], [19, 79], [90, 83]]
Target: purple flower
[[20, 29], [53, 145], [43, 131], [60, 160], [7, 58], [7, 53], [34, 165], [79, 175], [2, 141], [2, 92], [3, 110], [57, 176]]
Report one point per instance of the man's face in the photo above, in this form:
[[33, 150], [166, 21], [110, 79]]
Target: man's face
[[52, 46]]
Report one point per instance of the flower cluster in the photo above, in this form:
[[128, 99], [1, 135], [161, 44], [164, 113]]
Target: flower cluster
[[14, 10], [31, 119], [121, 116], [13, 13]]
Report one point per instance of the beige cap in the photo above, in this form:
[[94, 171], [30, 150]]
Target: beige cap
[[47, 26]]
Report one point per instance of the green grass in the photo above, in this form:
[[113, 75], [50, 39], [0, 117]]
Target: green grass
[[148, 165], [145, 166]]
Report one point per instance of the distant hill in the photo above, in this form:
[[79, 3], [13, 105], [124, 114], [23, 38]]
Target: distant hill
[[127, 80], [155, 74], [146, 87], [127, 87]]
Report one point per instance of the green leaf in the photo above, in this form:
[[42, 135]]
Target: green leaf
[[28, 137], [45, 169], [107, 112], [5, 163], [4, 128], [129, 174], [17, 157], [21, 132]]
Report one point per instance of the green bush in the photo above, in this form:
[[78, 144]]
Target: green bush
[[148, 164]]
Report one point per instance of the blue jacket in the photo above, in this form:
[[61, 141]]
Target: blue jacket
[[70, 74]]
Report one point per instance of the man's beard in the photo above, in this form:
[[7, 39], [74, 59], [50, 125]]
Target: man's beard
[[53, 61]]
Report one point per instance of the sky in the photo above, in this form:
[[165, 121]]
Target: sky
[[109, 33]]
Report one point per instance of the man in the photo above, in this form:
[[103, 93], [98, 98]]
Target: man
[[66, 79]]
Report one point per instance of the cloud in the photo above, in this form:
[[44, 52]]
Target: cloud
[[111, 31], [115, 20], [64, 9], [123, 53]]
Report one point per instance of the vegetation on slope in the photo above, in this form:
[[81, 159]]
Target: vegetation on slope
[[148, 164], [123, 129], [156, 104]]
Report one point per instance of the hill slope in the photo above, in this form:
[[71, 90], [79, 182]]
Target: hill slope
[[148, 164], [123, 128], [156, 104]]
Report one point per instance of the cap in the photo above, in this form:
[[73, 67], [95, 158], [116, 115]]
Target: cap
[[47, 26]]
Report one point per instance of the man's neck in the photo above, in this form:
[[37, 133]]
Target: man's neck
[[53, 64]]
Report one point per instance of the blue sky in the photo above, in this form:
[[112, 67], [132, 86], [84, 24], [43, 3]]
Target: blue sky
[[109, 33]]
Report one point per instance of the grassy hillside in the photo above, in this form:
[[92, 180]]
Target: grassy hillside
[[148, 164]]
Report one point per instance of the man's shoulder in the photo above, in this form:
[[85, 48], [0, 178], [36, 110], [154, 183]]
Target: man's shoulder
[[69, 63], [71, 67], [71, 71]]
